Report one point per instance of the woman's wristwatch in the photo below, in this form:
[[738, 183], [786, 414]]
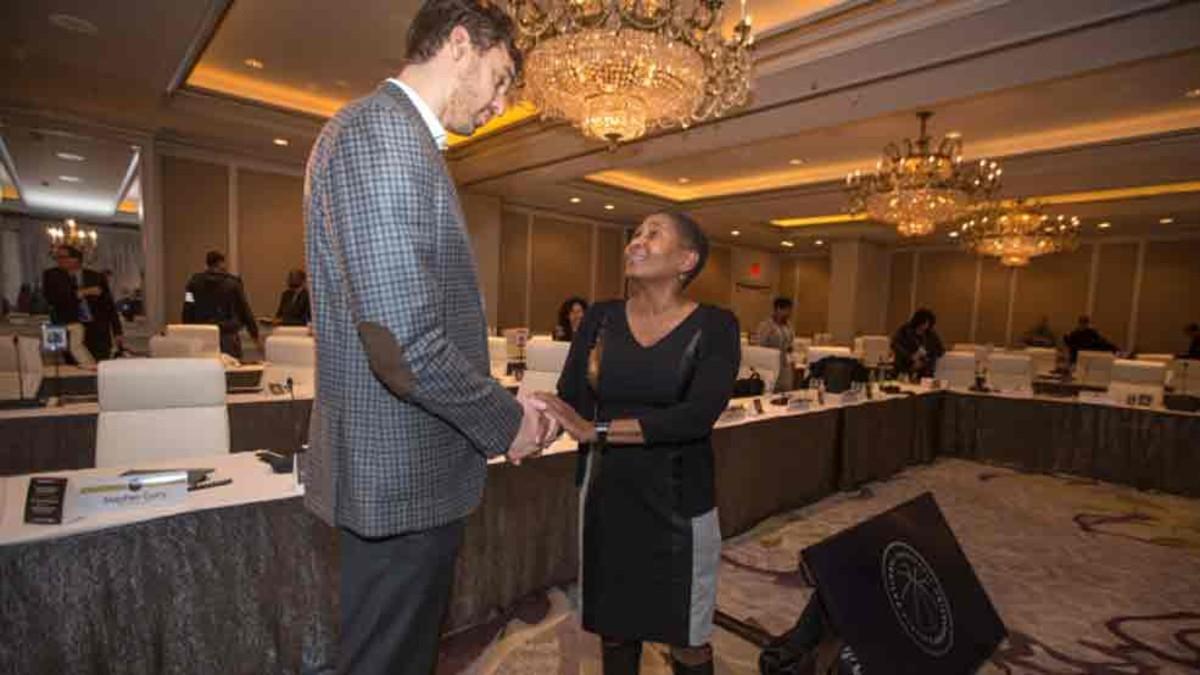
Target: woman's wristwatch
[[601, 429]]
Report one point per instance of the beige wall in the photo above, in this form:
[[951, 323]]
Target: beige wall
[[810, 314], [195, 220], [562, 268], [715, 285], [514, 265], [1145, 316], [270, 229], [610, 263], [753, 296], [483, 214]]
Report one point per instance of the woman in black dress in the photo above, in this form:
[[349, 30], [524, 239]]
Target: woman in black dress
[[644, 382]]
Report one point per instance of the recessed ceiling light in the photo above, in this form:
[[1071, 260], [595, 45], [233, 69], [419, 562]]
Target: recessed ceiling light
[[795, 161], [954, 135], [1104, 226], [684, 181], [282, 142], [1192, 93], [954, 235], [70, 179], [1166, 221], [786, 243], [69, 156], [735, 233], [819, 242], [575, 200], [254, 63], [74, 24], [609, 207]]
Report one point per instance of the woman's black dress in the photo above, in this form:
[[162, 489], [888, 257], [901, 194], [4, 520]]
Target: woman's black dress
[[651, 541]]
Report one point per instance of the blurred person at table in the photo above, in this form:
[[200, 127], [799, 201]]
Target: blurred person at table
[[294, 308], [1040, 335], [570, 316], [78, 295], [644, 382], [1192, 333], [406, 413], [917, 346], [775, 332], [217, 297], [1086, 339]]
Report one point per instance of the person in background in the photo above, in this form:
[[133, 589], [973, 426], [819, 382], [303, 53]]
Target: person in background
[[1040, 335], [643, 384], [917, 346], [1192, 331], [570, 315], [215, 296], [294, 308], [775, 332], [1087, 339], [25, 299], [80, 295]]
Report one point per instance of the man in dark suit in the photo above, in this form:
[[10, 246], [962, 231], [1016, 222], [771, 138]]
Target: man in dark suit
[[215, 296], [406, 413], [1085, 338], [80, 295], [294, 308]]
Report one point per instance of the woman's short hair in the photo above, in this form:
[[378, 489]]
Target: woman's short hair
[[922, 316], [693, 239]]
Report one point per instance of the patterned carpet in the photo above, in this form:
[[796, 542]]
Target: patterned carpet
[[1088, 577]]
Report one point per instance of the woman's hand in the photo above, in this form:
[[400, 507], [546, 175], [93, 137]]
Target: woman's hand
[[580, 429]]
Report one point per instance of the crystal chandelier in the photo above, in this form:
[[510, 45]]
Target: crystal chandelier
[[619, 68], [920, 187], [71, 235], [1017, 232]]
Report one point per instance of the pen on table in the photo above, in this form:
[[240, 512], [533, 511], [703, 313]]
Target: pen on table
[[210, 484]]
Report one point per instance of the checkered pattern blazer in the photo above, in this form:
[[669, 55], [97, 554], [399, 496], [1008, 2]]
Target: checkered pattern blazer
[[386, 244]]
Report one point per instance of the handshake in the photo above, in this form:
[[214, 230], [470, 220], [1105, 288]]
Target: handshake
[[546, 416]]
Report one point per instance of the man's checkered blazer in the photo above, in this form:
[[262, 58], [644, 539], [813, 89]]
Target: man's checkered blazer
[[388, 251]]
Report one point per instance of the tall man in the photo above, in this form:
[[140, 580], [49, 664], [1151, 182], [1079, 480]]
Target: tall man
[[80, 295], [406, 413], [215, 296]]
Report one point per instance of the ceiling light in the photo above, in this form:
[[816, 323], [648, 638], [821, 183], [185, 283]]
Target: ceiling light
[[795, 162], [1018, 233], [735, 233], [74, 24], [954, 234], [684, 181], [954, 135], [575, 200], [786, 243], [1166, 221], [617, 69], [819, 242], [69, 156], [70, 179], [1192, 93], [282, 142], [1104, 226], [254, 63], [609, 207]]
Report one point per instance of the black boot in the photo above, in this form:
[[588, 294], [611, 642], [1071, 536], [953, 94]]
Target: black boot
[[620, 658], [681, 668]]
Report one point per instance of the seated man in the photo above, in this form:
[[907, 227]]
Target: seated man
[[1192, 331], [1086, 339]]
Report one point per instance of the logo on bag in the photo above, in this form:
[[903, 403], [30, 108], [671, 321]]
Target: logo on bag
[[917, 599]]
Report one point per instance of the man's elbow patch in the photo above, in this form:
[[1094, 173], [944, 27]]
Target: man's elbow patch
[[386, 358]]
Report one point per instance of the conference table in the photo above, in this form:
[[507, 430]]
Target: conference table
[[243, 579]]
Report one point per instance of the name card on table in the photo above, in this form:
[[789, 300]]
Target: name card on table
[[102, 495], [44, 500]]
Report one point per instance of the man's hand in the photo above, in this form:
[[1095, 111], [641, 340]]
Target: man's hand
[[535, 433]]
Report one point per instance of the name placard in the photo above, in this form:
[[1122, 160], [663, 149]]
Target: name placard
[[44, 500], [103, 495]]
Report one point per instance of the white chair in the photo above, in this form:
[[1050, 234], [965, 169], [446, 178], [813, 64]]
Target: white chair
[[1045, 360], [1184, 376], [20, 367], [156, 409], [816, 353], [291, 356], [1155, 358], [1010, 372], [544, 361], [1094, 369], [498, 355], [872, 350], [763, 360], [1138, 379], [822, 339], [981, 352], [800, 348], [514, 340], [538, 381], [301, 331], [165, 347], [957, 369], [208, 335]]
